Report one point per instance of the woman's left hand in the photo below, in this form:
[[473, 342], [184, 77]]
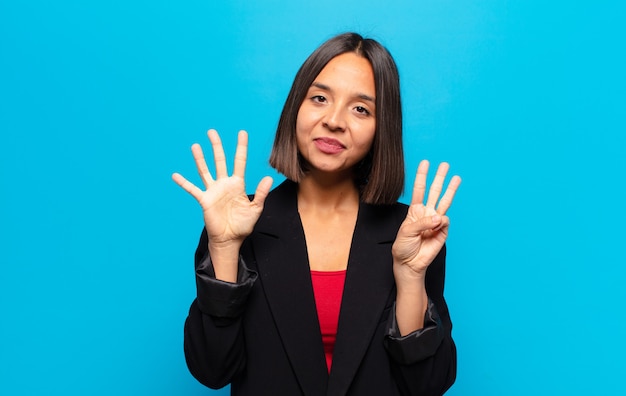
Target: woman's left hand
[[425, 228]]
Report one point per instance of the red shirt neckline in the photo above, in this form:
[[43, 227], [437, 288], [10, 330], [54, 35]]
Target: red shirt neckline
[[328, 290]]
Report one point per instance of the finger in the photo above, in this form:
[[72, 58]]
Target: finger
[[448, 196], [262, 190], [443, 225], [218, 154], [241, 154], [419, 186], [437, 185], [203, 169], [187, 186], [425, 223]]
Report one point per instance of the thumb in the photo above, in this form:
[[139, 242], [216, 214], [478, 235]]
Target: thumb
[[424, 224], [262, 189]]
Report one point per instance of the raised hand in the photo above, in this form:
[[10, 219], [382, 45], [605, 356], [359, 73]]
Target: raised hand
[[425, 228], [229, 215]]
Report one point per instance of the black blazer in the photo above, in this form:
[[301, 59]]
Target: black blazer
[[262, 334]]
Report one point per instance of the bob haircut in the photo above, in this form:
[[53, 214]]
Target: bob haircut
[[380, 175]]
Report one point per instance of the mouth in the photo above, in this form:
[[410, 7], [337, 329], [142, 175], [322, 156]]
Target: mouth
[[329, 145]]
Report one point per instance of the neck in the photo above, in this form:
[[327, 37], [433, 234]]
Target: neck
[[323, 195]]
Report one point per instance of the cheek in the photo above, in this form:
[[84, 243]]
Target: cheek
[[299, 133], [304, 119], [366, 137], [304, 126]]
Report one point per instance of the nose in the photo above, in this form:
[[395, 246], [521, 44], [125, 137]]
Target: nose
[[335, 119]]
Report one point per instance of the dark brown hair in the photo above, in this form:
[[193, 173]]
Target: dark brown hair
[[380, 175]]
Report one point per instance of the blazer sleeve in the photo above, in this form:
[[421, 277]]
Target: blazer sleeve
[[424, 362], [213, 338]]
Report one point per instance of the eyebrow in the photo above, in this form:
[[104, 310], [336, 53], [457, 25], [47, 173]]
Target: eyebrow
[[327, 88]]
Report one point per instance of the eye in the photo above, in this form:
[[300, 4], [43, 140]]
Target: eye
[[362, 110], [318, 99]]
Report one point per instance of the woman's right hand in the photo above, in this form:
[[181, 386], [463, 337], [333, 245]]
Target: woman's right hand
[[229, 215]]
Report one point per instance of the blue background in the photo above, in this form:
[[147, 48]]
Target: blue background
[[100, 101]]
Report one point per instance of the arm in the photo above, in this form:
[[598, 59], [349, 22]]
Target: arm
[[422, 348], [214, 348], [424, 361]]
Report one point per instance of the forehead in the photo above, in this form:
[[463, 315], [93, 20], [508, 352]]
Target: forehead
[[348, 71]]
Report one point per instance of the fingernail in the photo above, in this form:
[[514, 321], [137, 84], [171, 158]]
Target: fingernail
[[436, 219]]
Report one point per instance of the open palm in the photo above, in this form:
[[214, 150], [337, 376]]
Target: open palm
[[229, 215]]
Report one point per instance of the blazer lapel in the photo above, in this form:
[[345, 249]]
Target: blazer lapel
[[282, 261], [369, 282]]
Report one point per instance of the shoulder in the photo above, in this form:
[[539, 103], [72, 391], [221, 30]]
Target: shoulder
[[394, 213], [380, 223]]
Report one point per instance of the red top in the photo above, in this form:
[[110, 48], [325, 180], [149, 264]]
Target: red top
[[328, 289]]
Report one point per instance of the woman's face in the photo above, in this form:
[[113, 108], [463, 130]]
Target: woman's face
[[337, 121]]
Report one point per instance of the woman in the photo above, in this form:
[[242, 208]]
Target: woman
[[325, 285]]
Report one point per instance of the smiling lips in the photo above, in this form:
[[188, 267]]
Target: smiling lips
[[329, 145]]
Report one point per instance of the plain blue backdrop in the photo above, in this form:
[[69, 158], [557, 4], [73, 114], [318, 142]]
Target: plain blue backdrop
[[100, 101]]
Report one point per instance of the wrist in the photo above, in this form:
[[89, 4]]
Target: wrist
[[226, 248], [225, 259], [411, 306], [406, 273]]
